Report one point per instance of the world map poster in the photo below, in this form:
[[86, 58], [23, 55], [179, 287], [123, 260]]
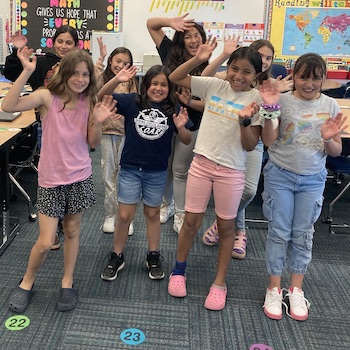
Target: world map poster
[[322, 30], [295, 27]]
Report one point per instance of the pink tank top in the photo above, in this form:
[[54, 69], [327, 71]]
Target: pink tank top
[[64, 156]]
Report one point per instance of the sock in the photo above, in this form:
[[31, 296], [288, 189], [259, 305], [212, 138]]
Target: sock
[[179, 268]]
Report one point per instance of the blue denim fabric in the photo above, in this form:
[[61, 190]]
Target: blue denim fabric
[[292, 204], [136, 183]]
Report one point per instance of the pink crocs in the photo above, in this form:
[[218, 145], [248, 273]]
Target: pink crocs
[[216, 298], [177, 286]]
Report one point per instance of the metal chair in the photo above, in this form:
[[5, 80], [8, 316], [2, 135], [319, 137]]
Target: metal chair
[[339, 166], [23, 156]]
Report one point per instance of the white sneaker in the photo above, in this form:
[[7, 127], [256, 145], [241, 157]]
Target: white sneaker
[[178, 221], [108, 225], [131, 229], [298, 304], [273, 303], [166, 211]]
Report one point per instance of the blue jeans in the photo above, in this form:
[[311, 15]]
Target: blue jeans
[[292, 204], [136, 183]]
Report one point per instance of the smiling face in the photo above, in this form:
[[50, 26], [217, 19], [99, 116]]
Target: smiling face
[[307, 87], [240, 74], [266, 57], [119, 61], [80, 79], [159, 88], [192, 40], [63, 44]]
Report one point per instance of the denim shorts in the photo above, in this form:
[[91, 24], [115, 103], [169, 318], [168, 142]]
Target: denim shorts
[[136, 183]]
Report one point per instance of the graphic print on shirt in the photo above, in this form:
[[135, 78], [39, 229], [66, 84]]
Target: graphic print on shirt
[[224, 108], [151, 124], [302, 128]]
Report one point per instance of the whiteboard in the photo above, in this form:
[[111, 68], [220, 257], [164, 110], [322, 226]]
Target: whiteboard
[[112, 40]]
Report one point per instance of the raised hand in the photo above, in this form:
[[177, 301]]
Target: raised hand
[[18, 39], [181, 24], [268, 92], [184, 96], [205, 51], [127, 73], [27, 58], [333, 126], [181, 119], [106, 109], [231, 44], [102, 47], [285, 84]]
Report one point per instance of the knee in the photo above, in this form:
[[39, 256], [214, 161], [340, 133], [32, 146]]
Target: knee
[[71, 230], [44, 245], [249, 192]]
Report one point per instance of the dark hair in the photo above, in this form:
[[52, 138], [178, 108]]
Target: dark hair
[[67, 29], [107, 75], [178, 53], [168, 105], [258, 44], [58, 84], [310, 64], [250, 54]]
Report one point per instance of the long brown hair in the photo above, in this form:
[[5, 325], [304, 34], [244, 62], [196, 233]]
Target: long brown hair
[[58, 84]]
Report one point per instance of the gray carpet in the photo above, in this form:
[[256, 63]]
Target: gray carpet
[[106, 309]]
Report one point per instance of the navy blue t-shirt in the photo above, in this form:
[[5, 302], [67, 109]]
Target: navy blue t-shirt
[[148, 134]]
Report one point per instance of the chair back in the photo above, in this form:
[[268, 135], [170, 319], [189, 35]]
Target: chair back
[[278, 69]]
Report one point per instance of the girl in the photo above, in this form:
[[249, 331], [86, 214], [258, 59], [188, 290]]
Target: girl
[[294, 180], [71, 121], [254, 157], [219, 162], [64, 40], [182, 47], [150, 122], [113, 131]]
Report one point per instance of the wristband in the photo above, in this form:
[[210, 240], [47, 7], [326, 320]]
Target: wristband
[[271, 108], [274, 123], [264, 114], [327, 140]]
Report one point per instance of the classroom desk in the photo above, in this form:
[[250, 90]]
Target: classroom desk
[[9, 133], [9, 230]]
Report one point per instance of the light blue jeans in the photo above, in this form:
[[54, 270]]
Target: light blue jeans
[[292, 204], [252, 175]]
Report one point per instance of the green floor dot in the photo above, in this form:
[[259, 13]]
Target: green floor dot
[[17, 323]]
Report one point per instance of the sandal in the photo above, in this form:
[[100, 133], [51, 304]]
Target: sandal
[[240, 245], [177, 286], [216, 298], [211, 235], [68, 299], [20, 298]]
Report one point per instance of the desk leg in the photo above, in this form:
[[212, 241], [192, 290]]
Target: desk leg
[[8, 233]]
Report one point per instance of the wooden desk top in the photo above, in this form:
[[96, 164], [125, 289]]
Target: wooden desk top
[[7, 135], [331, 84], [26, 119]]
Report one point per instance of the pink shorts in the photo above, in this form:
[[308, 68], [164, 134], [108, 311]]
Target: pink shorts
[[205, 177]]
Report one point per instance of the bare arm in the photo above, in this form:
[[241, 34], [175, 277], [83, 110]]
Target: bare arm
[[123, 76], [230, 45], [102, 110], [180, 75], [155, 25], [12, 101]]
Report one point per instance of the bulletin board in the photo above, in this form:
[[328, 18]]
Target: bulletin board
[[41, 18], [301, 26]]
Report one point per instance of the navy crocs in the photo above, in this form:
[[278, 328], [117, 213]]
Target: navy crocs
[[20, 298], [68, 299]]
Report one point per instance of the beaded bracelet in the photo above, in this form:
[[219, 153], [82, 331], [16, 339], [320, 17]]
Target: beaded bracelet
[[271, 108], [269, 114]]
